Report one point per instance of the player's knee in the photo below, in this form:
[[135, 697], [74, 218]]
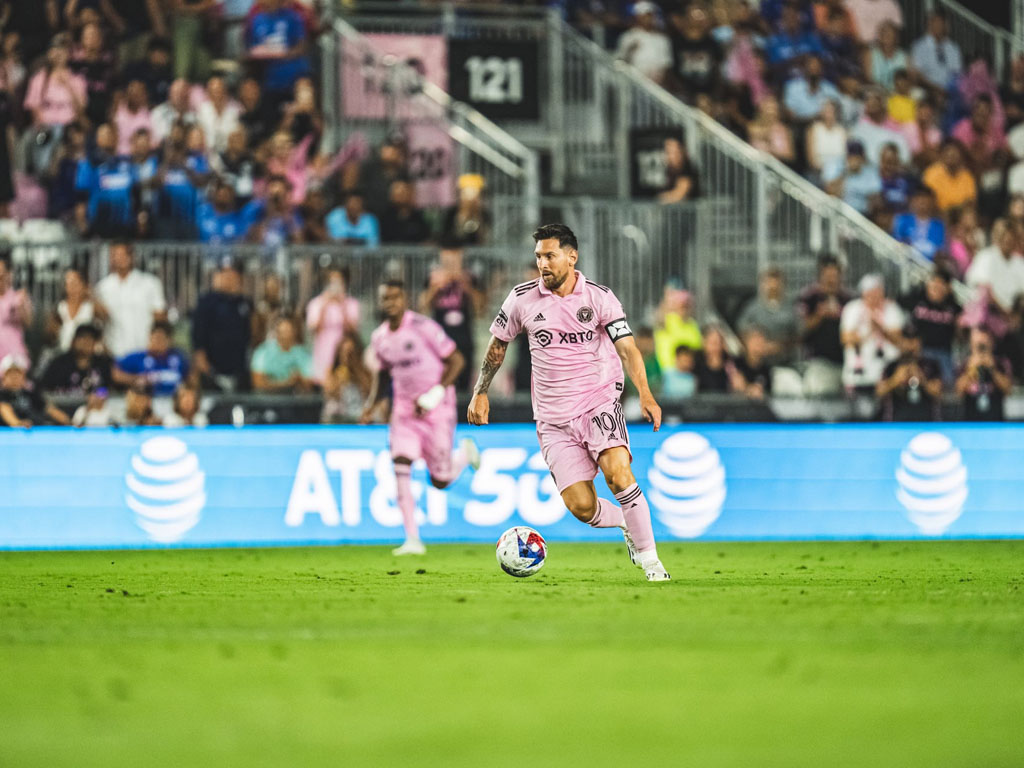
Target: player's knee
[[619, 478], [583, 507]]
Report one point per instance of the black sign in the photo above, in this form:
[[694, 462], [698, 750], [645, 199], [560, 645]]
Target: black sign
[[499, 79], [647, 159]]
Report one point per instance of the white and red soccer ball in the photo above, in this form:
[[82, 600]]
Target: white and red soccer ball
[[521, 551]]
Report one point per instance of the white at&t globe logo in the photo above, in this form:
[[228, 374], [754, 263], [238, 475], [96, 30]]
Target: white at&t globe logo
[[687, 484], [932, 482], [166, 489]]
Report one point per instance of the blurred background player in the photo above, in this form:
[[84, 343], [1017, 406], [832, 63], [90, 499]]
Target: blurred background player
[[579, 344], [422, 364]]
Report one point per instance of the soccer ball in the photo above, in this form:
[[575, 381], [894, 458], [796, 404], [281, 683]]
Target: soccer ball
[[521, 551]]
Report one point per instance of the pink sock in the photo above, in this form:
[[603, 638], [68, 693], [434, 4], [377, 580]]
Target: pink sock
[[403, 480], [638, 520], [607, 516]]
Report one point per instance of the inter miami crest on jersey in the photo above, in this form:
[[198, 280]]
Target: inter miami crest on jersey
[[585, 314]]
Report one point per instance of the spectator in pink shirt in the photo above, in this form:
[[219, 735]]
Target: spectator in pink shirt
[[980, 133], [15, 313], [868, 15], [56, 96], [923, 135], [131, 115], [331, 316]]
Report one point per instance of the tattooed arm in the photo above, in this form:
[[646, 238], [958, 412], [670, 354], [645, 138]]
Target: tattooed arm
[[480, 405]]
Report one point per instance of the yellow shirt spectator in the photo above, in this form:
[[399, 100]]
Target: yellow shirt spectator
[[951, 189], [675, 332], [902, 109]]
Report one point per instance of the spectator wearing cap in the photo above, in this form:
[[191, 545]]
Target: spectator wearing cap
[[281, 364], [138, 406], [277, 40], [806, 95], [134, 300], [949, 178], [185, 409], [222, 332], [870, 331], [935, 312], [773, 315], [160, 365], [644, 45], [351, 223], [858, 183], [15, 312], [984, 380], [83, 368], [469, 221], [910, 388], [875, 129], [919, 227], [330, 316], [935, 57], [20, 404], [402, 221]]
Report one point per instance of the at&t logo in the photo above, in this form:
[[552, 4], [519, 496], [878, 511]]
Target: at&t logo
[[932, 482], [166, 489], [687, 484]]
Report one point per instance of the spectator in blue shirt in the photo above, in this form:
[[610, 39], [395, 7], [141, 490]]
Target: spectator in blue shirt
[[179, 183], [277, 38], [858, 183], [159, 365], [790, 43], [896, 185], [806, 95], [220, 221], [106, 188], [145, 164], [919, 228], [275, 221], [352, 224]]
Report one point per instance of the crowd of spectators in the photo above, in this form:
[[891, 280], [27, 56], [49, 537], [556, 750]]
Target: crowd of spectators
[[895, 358], [157, 119]]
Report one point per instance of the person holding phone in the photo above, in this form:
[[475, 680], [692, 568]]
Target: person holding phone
[[984, 381]]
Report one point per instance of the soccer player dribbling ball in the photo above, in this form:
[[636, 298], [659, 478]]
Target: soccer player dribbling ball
[[579, 344], [422, 363]]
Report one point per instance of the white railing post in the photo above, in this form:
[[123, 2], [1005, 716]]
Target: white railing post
[[761, 234], [621, 139]]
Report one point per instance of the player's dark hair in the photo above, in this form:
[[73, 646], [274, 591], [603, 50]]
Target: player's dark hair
[[559, 232]]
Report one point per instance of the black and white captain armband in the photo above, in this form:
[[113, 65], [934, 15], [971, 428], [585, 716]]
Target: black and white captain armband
[[618, 329]]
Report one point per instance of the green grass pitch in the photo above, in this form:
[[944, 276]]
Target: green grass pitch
[[795, 654]]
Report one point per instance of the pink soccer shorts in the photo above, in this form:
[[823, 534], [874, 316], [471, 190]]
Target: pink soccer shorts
[[571, 450]]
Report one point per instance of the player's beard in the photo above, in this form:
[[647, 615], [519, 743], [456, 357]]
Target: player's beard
[[554, 282]]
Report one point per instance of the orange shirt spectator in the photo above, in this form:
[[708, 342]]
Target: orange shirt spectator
[[949, 178]]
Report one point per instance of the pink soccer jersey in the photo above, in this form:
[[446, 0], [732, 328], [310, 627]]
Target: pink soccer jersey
[[414, 356], [575, 365]]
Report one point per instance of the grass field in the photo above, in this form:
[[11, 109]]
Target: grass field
[[801, 654]]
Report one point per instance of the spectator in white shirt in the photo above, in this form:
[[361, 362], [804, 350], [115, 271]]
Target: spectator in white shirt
[[177, 108], [935, 56], [870, 331], [875, 128], [999, 268], [218, 114], [645, 46], [133, 299]]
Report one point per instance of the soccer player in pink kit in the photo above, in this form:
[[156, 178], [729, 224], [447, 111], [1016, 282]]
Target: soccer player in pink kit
[[579, 344], [422, 363]]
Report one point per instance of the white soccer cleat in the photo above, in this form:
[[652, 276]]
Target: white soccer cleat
[[471, 451], [634, 556], [656, 572], [410, 547]]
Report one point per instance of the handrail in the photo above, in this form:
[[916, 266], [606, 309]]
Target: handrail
[[443, 100], [891, 249]]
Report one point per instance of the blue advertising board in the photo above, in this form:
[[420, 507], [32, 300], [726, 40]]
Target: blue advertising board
[[61, 488]]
